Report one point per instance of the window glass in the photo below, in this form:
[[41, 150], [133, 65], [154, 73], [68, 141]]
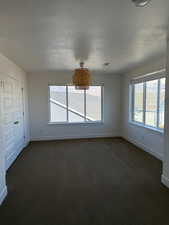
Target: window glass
[[138, 102], [58, 104], [67, 104], [162, 103], [93, 103], [151, 103], [58, 93], [75, 105], [148, 100]]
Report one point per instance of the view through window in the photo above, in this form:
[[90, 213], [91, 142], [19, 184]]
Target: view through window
[[148, 101], [69, 105]]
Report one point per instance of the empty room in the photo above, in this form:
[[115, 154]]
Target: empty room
[[84, 112]]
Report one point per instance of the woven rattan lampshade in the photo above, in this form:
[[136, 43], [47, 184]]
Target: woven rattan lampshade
[[82, 78]]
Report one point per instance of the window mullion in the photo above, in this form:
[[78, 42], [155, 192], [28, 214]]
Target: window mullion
[[158, 103], [102, 100], [133, 101], [67, 104], [85, 104], [144, 103]]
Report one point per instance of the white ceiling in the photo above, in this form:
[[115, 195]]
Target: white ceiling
[[56, 34]]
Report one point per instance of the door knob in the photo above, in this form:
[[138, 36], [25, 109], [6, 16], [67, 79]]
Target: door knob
[[16, 122]]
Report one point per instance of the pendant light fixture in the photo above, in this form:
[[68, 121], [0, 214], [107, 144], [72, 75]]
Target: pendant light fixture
[[82, 78]]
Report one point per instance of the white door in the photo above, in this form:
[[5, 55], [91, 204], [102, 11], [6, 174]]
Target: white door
[[13, 127], [18, 115]]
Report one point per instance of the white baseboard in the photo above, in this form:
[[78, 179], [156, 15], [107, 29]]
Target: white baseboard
[[26, 144], [48, 138], [165, 180], [12, 157], [3, 194], [145, 148]]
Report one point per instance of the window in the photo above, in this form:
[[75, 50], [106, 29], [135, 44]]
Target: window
[[138, 102], [68, 105], [148, 101], [151, 103], [93, 103], [57, 104], [162, 103]]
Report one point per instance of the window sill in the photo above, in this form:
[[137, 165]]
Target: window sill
[[159, 131], [76, 123]]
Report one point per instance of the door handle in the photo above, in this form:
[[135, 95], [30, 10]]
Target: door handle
[[16, 122]]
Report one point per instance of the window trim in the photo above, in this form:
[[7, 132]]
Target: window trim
[[67, 114], [154, 129], [132, 94]]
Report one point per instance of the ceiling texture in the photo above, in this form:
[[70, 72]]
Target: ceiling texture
[[54, 35]]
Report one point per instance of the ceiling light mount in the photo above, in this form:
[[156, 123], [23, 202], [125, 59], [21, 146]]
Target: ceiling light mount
[[106, 64], [81, 64], [141, 3]]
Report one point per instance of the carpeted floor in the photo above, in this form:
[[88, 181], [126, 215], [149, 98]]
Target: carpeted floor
[[85, 182]]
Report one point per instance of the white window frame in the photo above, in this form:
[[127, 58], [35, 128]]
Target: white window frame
[[143, 79], [67, 116]]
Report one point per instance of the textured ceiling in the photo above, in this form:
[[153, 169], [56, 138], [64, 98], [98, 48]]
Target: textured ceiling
[[56, 34]]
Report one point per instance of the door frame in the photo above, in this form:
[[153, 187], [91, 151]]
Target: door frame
[[23, 113]]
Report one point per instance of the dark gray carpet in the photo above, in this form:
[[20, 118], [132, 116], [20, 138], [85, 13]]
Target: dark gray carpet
[[90, 182]]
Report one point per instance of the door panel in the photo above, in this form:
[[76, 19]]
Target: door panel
[[8, 128], [18, 115], [13, 126]]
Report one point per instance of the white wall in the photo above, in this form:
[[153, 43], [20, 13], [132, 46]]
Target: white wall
[[38, 103], [8, 68], [147, 139], [165, 175]]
